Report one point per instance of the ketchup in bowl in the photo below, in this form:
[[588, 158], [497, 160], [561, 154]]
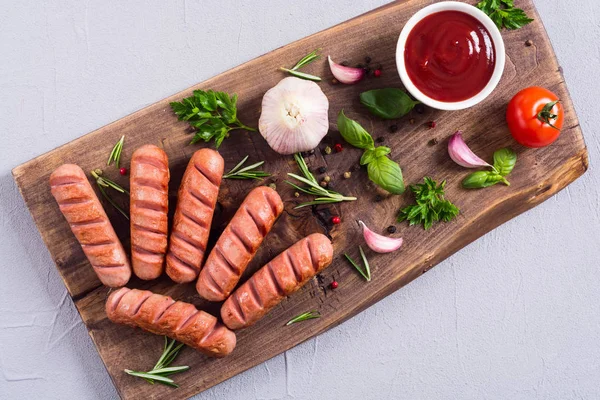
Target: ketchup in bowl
[[449, 56]]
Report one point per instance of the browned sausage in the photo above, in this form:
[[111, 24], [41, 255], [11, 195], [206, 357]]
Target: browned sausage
[[90, 225], [149, 187], [238, 243], [285, 274], [196, 202], [162, 315]]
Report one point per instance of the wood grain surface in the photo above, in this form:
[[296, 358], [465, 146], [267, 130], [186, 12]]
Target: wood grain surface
[[538, 175]]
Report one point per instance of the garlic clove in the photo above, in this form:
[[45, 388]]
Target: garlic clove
[[347, 75], [379, 243], [294, 116], [462, 154]]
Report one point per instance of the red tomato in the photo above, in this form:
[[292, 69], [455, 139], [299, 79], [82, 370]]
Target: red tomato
[[535, 117]]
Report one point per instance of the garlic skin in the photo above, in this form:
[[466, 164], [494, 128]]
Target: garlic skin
[[379, 243], [461, 154], [294, 116], [346, 75]]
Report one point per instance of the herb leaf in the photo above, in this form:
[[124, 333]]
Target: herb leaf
[[382, 171], [389, 103], [304, 316], [323, 196], [431, 205], [504, 161], [213, 114], [367, 272], [161, 369], [115, 154], [386, 174], [503, 13], [307, 59], [354, 133], [247, 172], [104, 183], [483, 179]]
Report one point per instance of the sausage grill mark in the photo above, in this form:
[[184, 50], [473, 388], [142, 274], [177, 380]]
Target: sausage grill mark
[[207, 176], [255, 294], [183, 262]]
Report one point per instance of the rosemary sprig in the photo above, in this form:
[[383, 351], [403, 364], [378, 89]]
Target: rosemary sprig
[[367, 272], [304, 316], [307, 59], [238, 172], [161, 369], [115, 154], [102, 183], [324, 196]]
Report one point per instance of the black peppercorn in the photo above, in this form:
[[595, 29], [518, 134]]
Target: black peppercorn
[[391, 229], [380, 139], [420, 108], [367, 59], [322, 170], [433, 142], [378, 198], [393, 128]]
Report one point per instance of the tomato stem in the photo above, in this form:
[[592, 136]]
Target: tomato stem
[[545, 115]]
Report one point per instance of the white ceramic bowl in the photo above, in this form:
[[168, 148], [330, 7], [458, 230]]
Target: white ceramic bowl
[[485, 21]]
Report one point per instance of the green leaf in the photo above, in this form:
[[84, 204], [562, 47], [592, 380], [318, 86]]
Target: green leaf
[[503, 13], [367, 157], [504, 161], [382, 151], [354, 133], [482, 179], [304, 316], [386, 174], [431, 205], [212, 114], [389, 103]]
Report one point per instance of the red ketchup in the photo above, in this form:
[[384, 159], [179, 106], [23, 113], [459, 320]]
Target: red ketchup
[[449, 56]]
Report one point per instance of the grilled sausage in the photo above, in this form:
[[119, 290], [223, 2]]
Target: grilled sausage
[[196, 202], [285, 274], [162, 315], [238, 243], [149, 186], [90, 225]]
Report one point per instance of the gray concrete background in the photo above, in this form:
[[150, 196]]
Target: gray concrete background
[[514, 315]]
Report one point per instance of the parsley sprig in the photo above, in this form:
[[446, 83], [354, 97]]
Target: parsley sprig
[[324, 196], [161, 371], [504, 14], [432, 205], [307, 59], [213, 114]]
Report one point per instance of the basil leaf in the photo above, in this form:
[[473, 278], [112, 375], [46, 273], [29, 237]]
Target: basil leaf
[[504, 161], [367, 157], [353, 133], [390, 103], [382, 151], [482, 179], [386, 174]]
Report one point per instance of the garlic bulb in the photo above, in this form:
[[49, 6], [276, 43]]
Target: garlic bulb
[[294, 116]]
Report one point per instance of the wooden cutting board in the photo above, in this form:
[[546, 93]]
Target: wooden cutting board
[[538, 175]]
